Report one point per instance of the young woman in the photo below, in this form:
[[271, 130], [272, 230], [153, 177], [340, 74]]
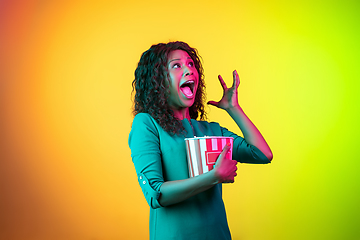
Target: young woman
[[169, 98]]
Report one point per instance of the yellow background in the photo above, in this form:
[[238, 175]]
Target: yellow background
[[66, 69]]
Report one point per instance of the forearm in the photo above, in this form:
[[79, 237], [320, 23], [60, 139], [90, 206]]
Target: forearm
[[177, 191], [251, 134]]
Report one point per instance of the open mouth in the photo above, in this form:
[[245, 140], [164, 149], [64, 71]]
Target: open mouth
[[187, 88]]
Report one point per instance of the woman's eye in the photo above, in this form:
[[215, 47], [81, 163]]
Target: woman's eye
[[176, 65], [191, 64]]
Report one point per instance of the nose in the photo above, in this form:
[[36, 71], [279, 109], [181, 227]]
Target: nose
[[188, 71]]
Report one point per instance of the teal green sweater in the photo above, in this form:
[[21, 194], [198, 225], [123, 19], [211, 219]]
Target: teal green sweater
[[159, 157]]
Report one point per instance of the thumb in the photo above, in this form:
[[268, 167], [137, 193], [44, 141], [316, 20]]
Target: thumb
[[213, 103], [223, 153]]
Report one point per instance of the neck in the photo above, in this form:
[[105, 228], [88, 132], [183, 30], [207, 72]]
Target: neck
[[182, 113]]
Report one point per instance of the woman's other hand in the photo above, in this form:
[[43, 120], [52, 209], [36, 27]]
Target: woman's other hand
[[229, 99], [225, 169]]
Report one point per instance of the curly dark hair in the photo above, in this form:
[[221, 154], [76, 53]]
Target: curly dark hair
[[151, 86]]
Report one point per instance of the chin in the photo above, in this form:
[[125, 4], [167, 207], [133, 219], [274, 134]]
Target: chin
[[189, 103]]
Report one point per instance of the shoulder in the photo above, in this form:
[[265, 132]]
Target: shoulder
[[142, 117], [212, 125], [143, 128], [143, 123], [217, 130], [210, 128]]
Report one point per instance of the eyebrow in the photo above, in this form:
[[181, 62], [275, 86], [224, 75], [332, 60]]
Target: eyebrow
[[178, 59]]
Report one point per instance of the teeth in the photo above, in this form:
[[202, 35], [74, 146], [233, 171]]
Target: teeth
[[188, 82]]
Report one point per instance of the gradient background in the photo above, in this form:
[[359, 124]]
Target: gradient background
[[66, 69]]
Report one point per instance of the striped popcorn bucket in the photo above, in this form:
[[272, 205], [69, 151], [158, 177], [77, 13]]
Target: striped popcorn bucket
[[202, 153]]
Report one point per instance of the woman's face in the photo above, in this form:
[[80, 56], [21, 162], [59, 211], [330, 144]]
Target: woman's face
[[184, 79]]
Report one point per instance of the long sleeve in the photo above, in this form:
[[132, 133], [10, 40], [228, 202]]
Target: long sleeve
[[244, 152], [146, 156]]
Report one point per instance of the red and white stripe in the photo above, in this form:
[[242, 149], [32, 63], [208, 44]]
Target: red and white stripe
[[202, 153]]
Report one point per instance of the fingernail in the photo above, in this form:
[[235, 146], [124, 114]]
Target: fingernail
[[228, 144]]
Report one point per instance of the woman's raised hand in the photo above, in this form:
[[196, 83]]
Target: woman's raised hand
[[230, 95], [225, 169]]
